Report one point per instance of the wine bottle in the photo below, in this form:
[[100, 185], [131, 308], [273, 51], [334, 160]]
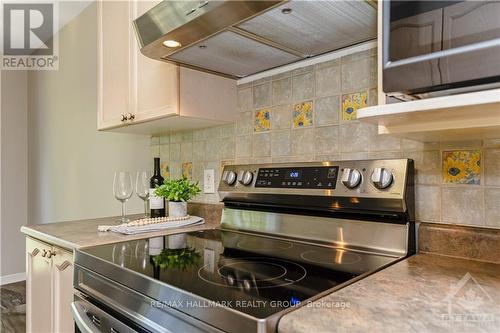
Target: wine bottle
[[156, 204]]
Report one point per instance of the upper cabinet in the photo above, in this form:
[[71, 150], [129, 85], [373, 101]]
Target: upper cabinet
[[139, 95]]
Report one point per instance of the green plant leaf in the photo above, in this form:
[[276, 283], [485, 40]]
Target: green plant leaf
[[177, 190]]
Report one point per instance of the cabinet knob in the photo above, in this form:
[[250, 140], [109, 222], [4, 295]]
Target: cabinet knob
[[130, 116], [124, 117], [51, 253], [34, 253], [63, 266]]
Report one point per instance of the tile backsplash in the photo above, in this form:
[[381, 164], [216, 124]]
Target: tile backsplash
[[309, 114]]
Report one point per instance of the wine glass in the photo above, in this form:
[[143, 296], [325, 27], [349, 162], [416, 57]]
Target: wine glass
[[142, 188], [122, 189]]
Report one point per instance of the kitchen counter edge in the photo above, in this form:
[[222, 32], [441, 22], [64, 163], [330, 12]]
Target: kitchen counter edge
[[412, 295]]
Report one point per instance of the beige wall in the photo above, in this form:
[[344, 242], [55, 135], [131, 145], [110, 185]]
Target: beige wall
[[14, 170], [71, 164], [331, 135]]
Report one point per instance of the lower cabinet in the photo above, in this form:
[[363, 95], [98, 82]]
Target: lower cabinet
[[49, 288]]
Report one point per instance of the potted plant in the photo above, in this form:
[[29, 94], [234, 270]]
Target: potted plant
[[177, 192]]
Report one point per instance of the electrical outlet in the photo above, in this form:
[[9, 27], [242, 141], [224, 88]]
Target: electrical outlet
[[209, 181]]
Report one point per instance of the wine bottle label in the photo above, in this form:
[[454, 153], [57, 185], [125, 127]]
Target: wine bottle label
[[154, 201]]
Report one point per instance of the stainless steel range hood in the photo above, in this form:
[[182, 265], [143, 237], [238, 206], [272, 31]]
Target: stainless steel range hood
[[241, 38]]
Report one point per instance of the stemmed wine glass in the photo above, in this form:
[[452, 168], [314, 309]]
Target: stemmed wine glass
[[142, 188], [122, 189]]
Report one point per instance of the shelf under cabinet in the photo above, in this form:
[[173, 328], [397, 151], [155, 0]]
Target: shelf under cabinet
[[468, 116]]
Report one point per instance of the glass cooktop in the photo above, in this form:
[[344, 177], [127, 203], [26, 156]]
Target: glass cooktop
[[253, 274]]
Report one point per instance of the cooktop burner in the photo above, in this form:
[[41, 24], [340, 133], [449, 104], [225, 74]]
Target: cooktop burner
[[231, 267], [255, 273]]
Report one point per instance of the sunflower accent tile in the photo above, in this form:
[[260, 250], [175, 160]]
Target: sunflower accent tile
[[462, 167], [187, 170], [164, 170], [351, 103], [302, 114], [262, 120]]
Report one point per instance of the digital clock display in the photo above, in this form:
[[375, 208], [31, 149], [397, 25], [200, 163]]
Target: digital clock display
[[293, 174], [298, 177]]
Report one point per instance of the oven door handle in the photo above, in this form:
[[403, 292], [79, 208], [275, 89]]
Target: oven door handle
[[85, 325], [81, 310]]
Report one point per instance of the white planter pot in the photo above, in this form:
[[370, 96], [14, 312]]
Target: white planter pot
[[177, 209], [177, 241]]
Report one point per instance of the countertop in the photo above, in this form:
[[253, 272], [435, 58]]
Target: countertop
[[83, 233], [423, 293]]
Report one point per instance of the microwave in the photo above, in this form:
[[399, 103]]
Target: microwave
[[438, 47]]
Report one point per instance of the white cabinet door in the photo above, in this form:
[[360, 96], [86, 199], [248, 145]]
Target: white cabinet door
[[114, 32], [62, 279], [38, 287], [155, 85], [130, 83]]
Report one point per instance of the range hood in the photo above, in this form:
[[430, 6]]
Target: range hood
[[240, 38]]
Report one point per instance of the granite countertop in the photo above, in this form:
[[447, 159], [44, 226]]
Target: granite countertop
[[423, 293], [82, 233]]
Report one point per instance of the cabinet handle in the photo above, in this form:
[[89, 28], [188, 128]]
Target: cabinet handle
[[130, 116], [124, 117], [34, 253], [44, 253], [63, 266], [51, 253]]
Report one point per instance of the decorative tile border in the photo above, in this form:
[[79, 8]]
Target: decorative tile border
[[351, 103], [302, 114], [461, 167], [187, 170], [262, 120]]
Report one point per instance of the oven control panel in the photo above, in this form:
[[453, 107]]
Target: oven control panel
[[317, 177], [362, 178], [385, 185]]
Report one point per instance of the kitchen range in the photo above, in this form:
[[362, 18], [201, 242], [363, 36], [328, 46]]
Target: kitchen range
[[289, 234]]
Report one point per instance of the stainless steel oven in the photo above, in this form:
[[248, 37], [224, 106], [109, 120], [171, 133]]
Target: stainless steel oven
[[90, 317], [436, 46], [290, 233]]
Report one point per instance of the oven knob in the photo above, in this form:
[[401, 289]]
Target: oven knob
[[231, 279], [245, 177], [229, 177], [247, 285], [351, 178], [381, 178]]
